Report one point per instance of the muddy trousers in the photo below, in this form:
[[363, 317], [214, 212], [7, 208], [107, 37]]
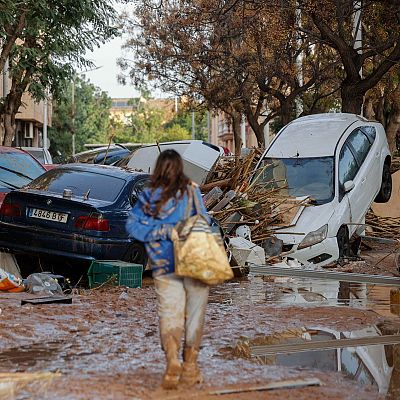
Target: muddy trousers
[[181, 305]]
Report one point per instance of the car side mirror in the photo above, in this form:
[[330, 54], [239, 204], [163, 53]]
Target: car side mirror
[[348, 186]]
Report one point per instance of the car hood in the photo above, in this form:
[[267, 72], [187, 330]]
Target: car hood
[[311, 218]]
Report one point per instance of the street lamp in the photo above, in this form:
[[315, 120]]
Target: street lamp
[[73, 104]]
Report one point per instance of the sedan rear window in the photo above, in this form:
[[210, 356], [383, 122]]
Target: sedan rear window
[[18, 169], [81, 183]]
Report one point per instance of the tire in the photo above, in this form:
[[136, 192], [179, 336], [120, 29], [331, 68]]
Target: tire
[[385, 191], [137, 254], [343, 242]]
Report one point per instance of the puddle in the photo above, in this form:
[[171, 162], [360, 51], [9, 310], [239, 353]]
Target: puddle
[[30, 357], [291, 291], [376, 366]]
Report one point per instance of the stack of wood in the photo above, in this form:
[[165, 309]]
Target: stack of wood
[[234, 198], [386, 227]]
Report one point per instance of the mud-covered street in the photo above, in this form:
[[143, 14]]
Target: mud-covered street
[[106, 345]]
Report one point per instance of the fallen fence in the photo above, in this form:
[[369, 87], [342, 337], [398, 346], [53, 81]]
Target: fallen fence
[[259, 351]]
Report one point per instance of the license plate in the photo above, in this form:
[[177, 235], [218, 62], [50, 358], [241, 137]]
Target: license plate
[[48, 215]]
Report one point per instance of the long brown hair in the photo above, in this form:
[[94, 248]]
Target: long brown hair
[[168, 175]]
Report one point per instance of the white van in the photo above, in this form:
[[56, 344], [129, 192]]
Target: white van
[[342, 163], [198, 157]]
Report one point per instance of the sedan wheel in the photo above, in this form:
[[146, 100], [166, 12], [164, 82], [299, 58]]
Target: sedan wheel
[[386, 187], [137, 254]]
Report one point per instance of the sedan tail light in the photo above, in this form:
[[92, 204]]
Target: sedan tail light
[[93, 222], [10, 210]]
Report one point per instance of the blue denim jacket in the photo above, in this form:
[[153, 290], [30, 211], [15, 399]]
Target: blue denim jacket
[[155, 231]]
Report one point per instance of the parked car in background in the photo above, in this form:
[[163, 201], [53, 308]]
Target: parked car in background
[[17, 168], [76, 211], [198, 157], [106, 155], [40, 153], [342, 163]]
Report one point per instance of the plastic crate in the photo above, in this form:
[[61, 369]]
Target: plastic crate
[[125, 274]]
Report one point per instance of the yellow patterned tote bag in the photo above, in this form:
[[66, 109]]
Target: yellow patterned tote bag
[[199, 252]]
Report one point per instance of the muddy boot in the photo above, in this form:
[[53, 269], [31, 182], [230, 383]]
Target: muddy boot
[[174, 367], [191, 372]]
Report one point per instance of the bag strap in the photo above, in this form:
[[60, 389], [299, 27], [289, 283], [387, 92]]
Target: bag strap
[[195, 200], [192, 201], [189, 206]]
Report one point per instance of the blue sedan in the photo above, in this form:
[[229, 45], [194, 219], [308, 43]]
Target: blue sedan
[[76, 211]]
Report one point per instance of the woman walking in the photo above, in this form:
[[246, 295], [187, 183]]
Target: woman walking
[[181, 302]]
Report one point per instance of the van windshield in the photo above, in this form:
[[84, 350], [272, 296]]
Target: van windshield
[[313, 177]]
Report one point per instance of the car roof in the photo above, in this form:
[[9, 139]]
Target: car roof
[[6, 149], [112, 147], [31, 148], [102, 169], [298, 138]]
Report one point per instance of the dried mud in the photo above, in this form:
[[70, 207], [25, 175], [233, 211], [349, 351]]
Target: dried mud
[[106, 344]]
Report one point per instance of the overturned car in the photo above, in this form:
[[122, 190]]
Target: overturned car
[[341, 162]]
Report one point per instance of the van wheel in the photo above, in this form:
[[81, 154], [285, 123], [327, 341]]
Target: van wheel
[[343, 242], [136, 254], [385, 191]]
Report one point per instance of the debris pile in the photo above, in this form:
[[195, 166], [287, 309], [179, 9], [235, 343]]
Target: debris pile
[[385, 227], [238, 195]]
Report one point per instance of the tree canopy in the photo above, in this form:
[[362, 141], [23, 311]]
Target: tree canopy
[[91, 107], [264, 58], [45, 41]]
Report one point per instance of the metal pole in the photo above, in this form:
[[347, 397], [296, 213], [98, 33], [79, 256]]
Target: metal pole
[[357, 35], [299, 66], [208, 127], [45, 122], [243, 131], [193, 127], [73, 115], [5, 92]]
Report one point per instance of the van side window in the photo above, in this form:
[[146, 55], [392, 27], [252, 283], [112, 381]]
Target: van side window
[[348, 168], [360, 144]]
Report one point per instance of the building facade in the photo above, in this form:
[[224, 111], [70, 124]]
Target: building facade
[[30, 118], [222, 132]]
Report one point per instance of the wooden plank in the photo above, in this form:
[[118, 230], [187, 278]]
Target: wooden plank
[[287, 384]]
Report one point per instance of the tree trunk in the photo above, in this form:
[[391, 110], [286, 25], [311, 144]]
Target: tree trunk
[[369, 111], [257, 128], [393, 127], [286, 112], [352, 100], [12, 103], [236, 121], [9, 129]]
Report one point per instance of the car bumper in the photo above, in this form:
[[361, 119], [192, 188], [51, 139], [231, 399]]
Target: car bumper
[[33, 240], [320, 254]]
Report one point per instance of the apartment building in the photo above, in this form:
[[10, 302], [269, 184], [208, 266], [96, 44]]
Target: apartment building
[[123, 108], [29, 119], [222, 132]]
